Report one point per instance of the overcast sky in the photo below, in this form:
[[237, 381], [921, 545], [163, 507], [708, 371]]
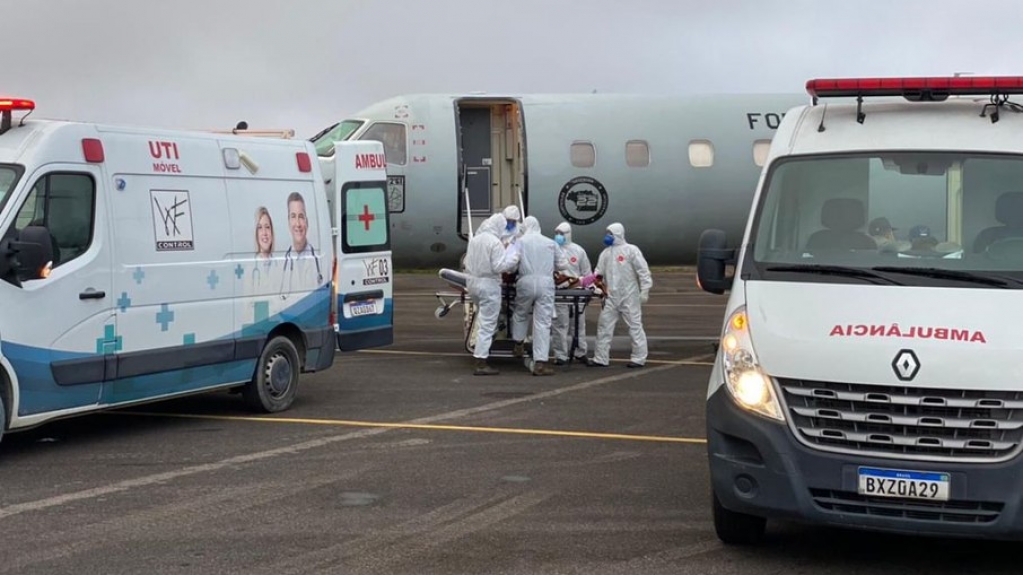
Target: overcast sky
[[304, 64]]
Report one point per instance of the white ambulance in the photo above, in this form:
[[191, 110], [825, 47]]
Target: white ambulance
[[140, 264], [869, 372]]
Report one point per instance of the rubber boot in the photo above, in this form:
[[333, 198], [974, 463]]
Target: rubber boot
[[483, 368], [541, 368]]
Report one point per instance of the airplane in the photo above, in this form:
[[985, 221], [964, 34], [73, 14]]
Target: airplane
[[666, 167]]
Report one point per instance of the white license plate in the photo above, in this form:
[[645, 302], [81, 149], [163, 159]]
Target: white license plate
[[904, 484], [363, 308]]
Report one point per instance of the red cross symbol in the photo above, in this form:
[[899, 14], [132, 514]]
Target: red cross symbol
[[574, 259], [366, 217], [620, 258]]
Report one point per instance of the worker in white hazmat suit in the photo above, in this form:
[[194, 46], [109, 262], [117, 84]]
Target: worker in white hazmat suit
[[485, 260], [534, 290], [578, 265], [512, 228], [628, 281]]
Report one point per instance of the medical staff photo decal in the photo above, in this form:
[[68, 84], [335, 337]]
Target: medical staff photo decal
[[172, 220]]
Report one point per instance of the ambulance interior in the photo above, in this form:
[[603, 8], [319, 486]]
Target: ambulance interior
[[952, 211]]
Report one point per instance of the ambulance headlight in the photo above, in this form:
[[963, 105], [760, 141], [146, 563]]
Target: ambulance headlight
[[749, 386]]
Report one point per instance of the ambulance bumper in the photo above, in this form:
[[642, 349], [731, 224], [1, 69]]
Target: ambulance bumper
[[319, 347]]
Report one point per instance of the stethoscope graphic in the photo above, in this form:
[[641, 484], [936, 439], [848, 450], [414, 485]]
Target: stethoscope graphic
[[289, 260], [257, 272]]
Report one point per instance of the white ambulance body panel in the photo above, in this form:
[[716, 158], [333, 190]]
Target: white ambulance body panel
[[178, 257], [868, 373]]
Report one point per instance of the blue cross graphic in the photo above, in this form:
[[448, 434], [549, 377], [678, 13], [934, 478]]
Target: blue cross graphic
[[239, 271], [164, 317], [213, 279], [124, 302], [138, 275], [110, 342], [188, 339]]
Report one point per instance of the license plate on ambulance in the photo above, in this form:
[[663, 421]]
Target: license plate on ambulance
[[932, 486], [363, 308]]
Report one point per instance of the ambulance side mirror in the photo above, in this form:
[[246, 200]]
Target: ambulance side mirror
[[712, 259], [28, 256]]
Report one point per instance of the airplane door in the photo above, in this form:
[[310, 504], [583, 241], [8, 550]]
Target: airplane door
[[477, 162], [363, 277]]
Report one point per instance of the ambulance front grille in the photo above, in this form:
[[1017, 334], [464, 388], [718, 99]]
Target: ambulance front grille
[[905, 422]]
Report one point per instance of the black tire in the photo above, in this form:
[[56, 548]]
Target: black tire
[[275, 383], [3, 414], [737, 528]]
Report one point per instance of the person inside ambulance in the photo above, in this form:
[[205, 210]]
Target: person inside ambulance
[[884, 235], [628, 281], [578, 265], [301, 262], [486, 258]]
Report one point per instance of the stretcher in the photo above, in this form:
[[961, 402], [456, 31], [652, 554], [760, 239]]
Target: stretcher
[[577, 298]]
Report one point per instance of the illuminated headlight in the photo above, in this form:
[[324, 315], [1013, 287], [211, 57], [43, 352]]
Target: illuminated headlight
[[748, 385]]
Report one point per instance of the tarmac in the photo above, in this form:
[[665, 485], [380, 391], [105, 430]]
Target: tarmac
[[398, 460]]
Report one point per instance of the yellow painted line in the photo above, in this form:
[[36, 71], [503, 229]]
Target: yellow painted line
[[430, 427], [449, 354]]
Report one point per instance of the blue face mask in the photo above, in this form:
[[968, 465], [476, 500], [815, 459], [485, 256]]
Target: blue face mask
[[510, 226], [560, 239], [609, 240]]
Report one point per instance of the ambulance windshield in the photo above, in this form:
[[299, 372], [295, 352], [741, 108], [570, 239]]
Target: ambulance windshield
[[337, 133], [943, 212]]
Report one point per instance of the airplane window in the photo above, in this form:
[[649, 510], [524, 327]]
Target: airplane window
[[583, 154], [393, 136], [760, 149], [701, 153], [324, 141], [637, 154]]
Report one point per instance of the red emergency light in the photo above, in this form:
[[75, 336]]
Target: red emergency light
[[11, 104], [922, 88]]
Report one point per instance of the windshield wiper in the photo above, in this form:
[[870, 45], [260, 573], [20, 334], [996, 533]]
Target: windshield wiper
[[834, 271], [938, 273]]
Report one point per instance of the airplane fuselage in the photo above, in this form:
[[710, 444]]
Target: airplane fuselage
[[590, 159]]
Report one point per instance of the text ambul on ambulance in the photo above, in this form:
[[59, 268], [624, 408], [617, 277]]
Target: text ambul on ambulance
[[869, 373], [142, 264]]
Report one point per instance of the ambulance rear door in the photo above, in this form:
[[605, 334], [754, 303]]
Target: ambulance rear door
[[364, 279]]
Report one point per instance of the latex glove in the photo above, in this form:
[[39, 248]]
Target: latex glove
[[644, 296], [587, 280]]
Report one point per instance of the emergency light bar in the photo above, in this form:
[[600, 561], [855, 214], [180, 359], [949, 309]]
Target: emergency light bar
[[916, 89], [9, 105]]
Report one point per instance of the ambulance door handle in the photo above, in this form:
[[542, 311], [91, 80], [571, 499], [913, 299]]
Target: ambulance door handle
[[92, 294]]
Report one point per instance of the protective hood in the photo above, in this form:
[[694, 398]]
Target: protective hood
[[618, 231], [495, 224], [531, 225], [887, 335], [565, 229], [512, 213]]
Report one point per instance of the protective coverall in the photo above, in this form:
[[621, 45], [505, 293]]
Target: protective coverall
[[513, 228], [486, 258], [534, 290], [578, 265], [628, 281]]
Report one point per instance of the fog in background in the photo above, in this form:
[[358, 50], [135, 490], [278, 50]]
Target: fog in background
[[304, 64]]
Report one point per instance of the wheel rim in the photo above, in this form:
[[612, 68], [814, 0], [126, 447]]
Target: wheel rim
[[278, 375]]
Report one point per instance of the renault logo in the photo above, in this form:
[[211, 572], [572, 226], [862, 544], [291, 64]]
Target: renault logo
[[906, 365]]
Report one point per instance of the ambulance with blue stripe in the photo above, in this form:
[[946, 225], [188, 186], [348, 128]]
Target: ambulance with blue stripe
[[144, 264]]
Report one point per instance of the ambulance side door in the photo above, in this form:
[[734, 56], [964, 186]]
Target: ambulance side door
[[63, 331], [365, 308]]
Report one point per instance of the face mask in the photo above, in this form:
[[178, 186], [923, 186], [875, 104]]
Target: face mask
[[560, 239], [609, 240], [510, 226]]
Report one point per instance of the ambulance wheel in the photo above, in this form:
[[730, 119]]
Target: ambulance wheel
[[737, 528], [275, 384], [3, 414]]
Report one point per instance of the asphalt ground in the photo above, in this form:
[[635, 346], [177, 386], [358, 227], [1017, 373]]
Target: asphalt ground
[[400, 461]]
